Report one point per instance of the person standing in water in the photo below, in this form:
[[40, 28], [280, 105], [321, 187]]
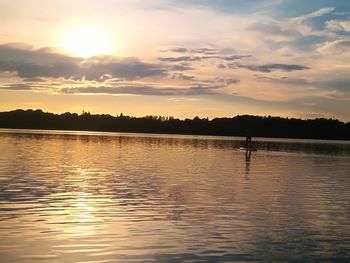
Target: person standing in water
[[248, 143], [248, 140]]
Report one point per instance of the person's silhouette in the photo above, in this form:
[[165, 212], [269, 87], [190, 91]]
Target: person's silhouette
[[248, 142]]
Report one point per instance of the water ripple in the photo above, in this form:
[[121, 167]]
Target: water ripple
[[81, 197]]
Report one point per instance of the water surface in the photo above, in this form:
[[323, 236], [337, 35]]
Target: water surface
[[112, 197]]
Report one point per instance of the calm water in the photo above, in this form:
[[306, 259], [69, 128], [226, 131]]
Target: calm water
[[104, 197]]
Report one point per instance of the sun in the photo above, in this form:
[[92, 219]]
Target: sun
[[87, 41]]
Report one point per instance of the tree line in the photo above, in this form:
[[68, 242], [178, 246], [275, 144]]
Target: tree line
[[241, 125]]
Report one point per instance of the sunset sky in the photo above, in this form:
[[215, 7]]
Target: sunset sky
[[177, 58]]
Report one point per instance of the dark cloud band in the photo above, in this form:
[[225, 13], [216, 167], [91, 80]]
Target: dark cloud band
[[45, 63], [270, 67]]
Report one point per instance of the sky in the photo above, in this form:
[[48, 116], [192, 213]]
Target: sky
[[181, 58]]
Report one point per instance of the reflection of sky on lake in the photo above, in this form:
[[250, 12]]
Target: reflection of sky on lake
[[80, 198]]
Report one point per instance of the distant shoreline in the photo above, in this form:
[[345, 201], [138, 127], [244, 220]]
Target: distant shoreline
[[164, 135], [241, 126]]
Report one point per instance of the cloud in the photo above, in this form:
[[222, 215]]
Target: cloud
[[270, 67], [34, 79], [182, 76], [232, 81], [31, 70], [180, 59], [291, 29], [234, 57], [119, 89], [200, 54], [338, 25], [179, 50], [234, 6], [22, 87], [43, 63], [227, 81], [199, 58], [182, 99], [24, 53], [184, 55], [128, 69], [180, 68], [143, 90], [318, 13], [14, 87], [335, 94], [204, 50], [337, 46], [342, 85], [286, 31], [207, 51], [284, 80], [273, 28]]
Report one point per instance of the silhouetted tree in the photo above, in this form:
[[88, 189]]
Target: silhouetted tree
[[241, 125]]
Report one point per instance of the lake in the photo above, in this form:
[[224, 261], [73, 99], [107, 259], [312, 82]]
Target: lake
[[117, 197]]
